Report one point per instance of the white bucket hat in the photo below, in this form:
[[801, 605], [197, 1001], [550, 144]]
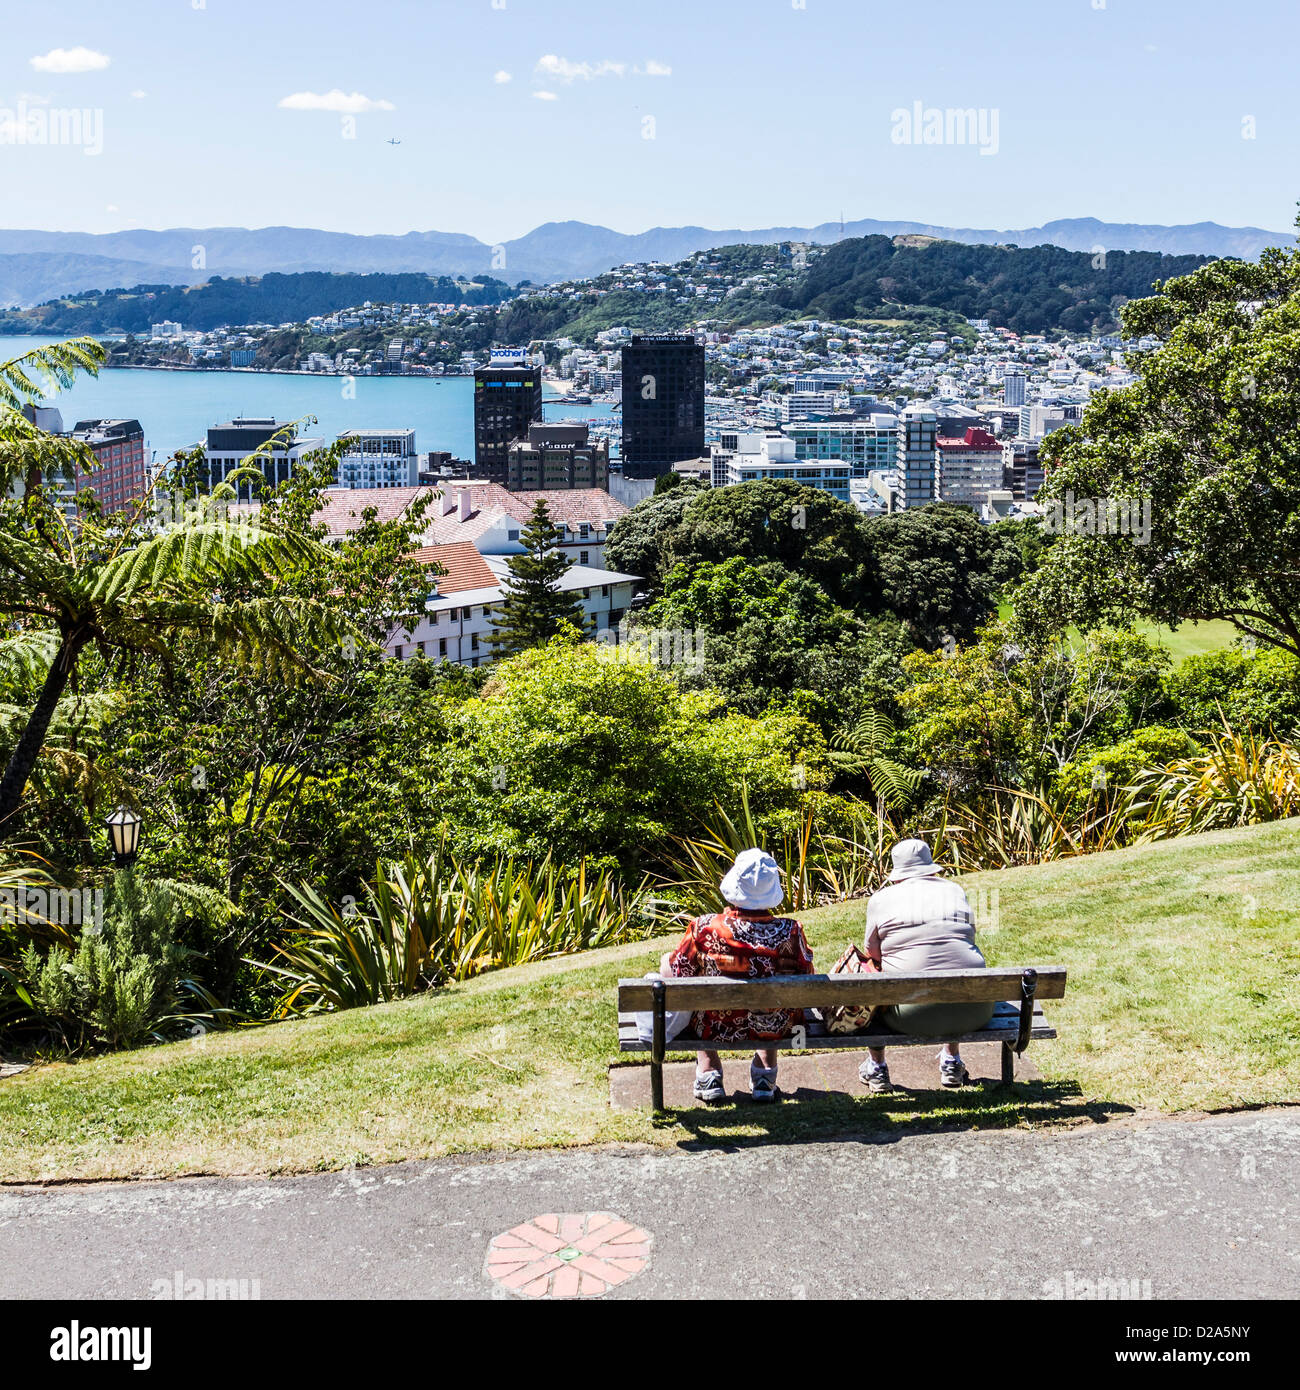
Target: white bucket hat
[[753, 881], [912, 859]]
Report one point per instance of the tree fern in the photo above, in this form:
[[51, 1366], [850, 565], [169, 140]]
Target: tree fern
[[26, 656], [29, 378], [859, 751], [127, 587]]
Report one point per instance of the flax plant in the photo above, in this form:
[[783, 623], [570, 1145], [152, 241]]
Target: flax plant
[[433, 920]]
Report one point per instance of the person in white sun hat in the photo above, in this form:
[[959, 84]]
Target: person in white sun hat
[[922, 921], [746, 940]]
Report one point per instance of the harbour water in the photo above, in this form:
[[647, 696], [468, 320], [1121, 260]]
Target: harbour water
[[175, 408]]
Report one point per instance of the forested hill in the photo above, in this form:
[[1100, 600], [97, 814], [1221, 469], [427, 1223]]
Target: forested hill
[[1027, 289], [219, 302], [1030, 290]]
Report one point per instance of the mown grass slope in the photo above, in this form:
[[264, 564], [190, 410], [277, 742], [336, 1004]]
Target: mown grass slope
[[1184, 993]]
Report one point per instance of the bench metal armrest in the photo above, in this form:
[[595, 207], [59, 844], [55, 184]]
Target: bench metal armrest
[[1028, 988]]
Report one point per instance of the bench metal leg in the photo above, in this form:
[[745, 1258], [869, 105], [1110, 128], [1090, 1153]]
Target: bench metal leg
[[1008, 1064], [657, 1043]]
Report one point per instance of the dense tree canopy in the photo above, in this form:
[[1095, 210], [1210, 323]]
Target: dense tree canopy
[[1178, 497], [589, 751], [270, 298], [941, 571]]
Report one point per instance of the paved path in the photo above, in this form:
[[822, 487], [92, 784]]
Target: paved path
[[1199, 1208]]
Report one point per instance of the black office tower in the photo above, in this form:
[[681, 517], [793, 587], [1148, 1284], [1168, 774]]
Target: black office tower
[[663, 403], [507, 400]]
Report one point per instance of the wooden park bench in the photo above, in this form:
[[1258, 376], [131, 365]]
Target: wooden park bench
[[1017, 1015]]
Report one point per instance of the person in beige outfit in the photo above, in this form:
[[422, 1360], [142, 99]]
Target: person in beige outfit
[[922, 921]]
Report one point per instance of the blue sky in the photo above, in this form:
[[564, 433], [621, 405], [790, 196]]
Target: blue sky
[[764, 112]]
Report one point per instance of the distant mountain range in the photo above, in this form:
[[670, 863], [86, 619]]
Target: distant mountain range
[[36, 266]]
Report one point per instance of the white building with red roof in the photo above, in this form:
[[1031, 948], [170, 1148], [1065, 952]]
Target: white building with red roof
[[458, 617]]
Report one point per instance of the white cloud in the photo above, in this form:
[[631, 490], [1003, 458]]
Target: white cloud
[[65, 60], [349, 103], [654, 69], [550, 65], [501, 77], [112, 207], [545, 96], [139, 94]]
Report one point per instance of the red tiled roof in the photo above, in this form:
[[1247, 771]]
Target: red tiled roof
[[441, 530], [565, 504], [464, 566], [342, 507]]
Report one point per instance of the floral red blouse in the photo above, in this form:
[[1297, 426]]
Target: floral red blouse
[[750, 945]]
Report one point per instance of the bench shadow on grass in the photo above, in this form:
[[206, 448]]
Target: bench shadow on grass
[[809, 1114]]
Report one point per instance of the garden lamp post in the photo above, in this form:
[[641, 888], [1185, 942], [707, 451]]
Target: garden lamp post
[[124, 834]]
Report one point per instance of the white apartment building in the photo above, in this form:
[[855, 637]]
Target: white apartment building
[[918, 429], [379, 458], [866, 443], [797, 405], [1038, 421], [750, 456]]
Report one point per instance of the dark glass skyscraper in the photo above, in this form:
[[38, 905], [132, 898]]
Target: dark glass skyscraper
[[663, 403], [507, 400]]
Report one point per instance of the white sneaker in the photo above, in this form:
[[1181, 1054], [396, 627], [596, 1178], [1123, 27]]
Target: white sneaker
[[952, 1071], [762, 1083], [875, 1077], [709, 1087]]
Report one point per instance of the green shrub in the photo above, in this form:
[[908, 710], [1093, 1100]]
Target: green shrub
[[591, 753], [1260, 690], [1100, 777], [123, 982]]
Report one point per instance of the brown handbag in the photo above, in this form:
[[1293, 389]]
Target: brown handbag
[[851, 1018]]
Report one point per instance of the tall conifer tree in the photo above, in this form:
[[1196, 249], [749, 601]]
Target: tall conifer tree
[[534, 606]]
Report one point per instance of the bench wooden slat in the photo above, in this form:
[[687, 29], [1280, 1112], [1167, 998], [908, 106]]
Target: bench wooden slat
[[1004, 1011], [1003, 1027], [807, 991]]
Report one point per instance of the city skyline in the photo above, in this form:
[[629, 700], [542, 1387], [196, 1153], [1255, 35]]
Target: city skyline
[[509, 113]]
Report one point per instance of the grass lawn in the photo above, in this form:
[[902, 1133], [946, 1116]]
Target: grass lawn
[[1184, 994], [1191, 639], [1187, 639]]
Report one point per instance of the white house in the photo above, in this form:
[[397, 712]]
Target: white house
[[458, 617]]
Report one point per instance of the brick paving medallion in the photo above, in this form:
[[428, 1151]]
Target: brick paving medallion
[[568, 1255]]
